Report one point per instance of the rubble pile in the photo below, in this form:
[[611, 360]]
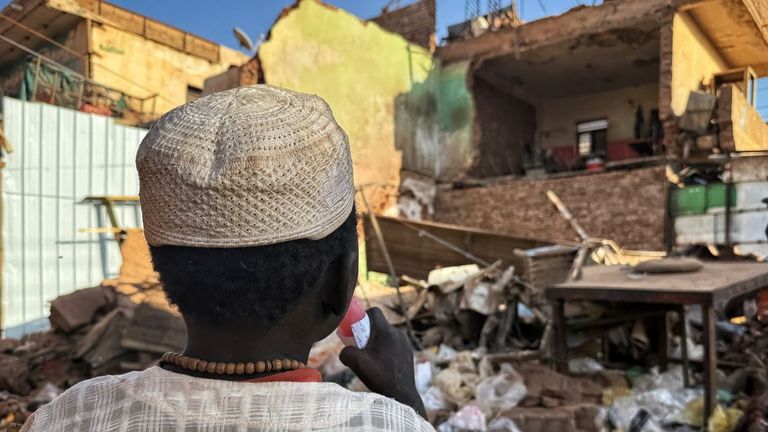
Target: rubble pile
[[122, 325], [481, 358], [459, 386]]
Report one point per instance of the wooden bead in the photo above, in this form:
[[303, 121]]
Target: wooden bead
[[240, 368]]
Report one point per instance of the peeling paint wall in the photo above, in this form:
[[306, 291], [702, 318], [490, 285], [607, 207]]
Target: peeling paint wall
[[694, 61], [357, 67], [557, 118], [146, 67], [434, 124]]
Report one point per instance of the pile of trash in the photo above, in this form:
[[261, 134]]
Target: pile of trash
[[482, 362], [463, 391]]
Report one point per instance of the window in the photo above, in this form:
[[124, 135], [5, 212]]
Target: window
[[193, 93], [592, 137]]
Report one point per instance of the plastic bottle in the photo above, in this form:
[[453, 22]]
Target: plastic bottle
[[355, 328]]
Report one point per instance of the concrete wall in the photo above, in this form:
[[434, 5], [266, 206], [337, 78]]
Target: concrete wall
[[357, 67], [141, 67], [626, 206], [694, 61], [434, 124], [557, 118]]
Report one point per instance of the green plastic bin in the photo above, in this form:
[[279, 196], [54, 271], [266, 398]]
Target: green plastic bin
[[716, 196], [690, 200]]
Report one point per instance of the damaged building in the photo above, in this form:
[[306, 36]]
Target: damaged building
[[358, 66], [563, 102], [97, 57]]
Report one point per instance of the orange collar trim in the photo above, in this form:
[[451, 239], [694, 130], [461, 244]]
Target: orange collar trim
[[298, 375]]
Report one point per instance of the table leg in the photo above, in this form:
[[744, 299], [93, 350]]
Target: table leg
[[710, 359], [663, 335], [684, 347], [561, 342]]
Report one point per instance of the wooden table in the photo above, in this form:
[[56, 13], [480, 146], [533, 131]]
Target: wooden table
[[711, 287]]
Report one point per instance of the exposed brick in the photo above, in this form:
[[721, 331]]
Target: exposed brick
[[504, 126], [415, 22], [628, 207]]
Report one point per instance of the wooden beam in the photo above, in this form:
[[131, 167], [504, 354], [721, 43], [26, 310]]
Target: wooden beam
[[697, 4]]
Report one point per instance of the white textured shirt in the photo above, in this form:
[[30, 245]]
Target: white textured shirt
[[160, 400]]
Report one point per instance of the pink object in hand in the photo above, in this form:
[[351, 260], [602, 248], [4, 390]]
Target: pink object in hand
[[355, 328]]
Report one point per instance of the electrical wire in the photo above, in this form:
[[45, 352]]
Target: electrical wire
[[64, 68]]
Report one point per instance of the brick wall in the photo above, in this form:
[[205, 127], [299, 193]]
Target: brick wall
[[626, 206], [416, 22], [504, 125], [667, 117]]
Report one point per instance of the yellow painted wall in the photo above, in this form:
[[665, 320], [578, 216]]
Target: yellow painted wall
[[694, 61], [354, 65], [557, 118], [750, 131], [144, 67]]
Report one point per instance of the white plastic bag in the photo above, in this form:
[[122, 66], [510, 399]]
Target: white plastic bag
[[503, 424], [500, 392]]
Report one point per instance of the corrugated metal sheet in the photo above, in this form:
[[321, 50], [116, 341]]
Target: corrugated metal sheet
[[60, 156]]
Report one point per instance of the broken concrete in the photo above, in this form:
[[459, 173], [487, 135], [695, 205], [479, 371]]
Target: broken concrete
[[71, 311]]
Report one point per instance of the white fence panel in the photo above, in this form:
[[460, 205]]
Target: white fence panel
[[60, 156]]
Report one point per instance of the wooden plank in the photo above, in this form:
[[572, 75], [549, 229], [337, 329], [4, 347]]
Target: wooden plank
[[713, 277], [416, 255], [710, 359]]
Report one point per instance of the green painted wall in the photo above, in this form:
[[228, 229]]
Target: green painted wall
[[434, 124], [357, 67]]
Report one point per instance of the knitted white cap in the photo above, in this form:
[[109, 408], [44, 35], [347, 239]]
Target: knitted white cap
[[245, 167]]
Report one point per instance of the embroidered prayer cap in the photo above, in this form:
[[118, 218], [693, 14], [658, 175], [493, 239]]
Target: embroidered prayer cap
[[244, 167]]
